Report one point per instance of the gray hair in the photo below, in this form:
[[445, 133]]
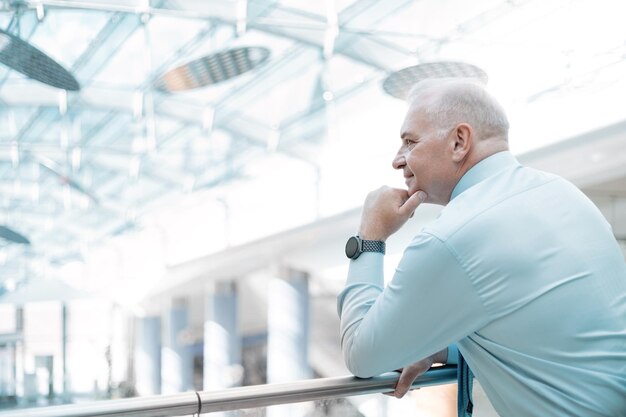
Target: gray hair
[[450, 101]]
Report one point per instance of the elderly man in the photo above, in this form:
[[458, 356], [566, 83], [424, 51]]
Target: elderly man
[[520, 272]]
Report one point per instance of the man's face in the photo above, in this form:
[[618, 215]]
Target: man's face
[[424, 157]]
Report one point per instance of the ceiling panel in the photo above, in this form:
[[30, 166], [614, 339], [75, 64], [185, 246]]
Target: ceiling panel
[[277, 140]]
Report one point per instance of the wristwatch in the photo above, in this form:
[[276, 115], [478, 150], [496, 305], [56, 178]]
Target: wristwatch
[[355, 246]]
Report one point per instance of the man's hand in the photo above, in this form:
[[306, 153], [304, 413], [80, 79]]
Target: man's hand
[[411, 372], [386, 210]]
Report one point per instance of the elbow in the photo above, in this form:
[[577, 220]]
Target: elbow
[[360, 369], [357, 363], [362, 373]]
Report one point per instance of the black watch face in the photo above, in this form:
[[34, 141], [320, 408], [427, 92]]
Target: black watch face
[[352, 247]]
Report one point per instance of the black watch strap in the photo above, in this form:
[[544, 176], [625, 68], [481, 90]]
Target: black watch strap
[[373, 246]]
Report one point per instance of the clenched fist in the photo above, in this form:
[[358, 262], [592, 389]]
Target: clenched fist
[[386, 210]]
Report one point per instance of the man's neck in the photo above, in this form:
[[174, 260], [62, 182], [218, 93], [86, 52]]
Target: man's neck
[[481, 150]]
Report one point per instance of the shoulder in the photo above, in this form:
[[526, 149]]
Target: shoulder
[[492, 197]]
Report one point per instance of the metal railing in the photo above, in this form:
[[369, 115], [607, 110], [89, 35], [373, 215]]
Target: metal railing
[[191, 403]]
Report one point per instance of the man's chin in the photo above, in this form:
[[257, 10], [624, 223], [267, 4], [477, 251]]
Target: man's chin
[[412, 190]]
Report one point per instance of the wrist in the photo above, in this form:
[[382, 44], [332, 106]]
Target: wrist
[[371, 235], [373, 238], [356, 245]]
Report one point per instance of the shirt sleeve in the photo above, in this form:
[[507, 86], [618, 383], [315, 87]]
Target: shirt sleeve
[[429, 304]]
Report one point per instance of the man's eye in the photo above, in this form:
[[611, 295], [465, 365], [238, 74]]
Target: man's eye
[[409, 143]]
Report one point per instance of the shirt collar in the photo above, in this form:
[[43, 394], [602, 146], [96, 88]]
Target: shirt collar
[[484, 169]]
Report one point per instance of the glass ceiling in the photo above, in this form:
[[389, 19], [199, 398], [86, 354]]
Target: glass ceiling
[[119, 173]]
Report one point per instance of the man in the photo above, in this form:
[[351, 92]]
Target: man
[[520, 272]]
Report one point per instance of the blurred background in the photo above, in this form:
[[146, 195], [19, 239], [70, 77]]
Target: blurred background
[[178, 178]]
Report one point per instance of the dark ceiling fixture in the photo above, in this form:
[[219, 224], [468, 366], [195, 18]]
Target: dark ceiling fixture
[[13, 236], [212, 69], [399, 83], [30, 61]]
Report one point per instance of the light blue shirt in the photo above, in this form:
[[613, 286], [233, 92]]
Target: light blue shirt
[[522, 271]]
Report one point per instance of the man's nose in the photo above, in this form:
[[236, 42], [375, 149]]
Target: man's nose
[[398, 162]]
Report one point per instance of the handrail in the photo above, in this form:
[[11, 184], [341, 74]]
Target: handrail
[[237, 398]]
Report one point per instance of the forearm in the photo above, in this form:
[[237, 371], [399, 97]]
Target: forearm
[[386, 329], [364, 286]]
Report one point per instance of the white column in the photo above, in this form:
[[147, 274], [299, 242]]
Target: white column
[[222, 342], [288, 334], [5, 372], [64, 374], [177, 360], [148, 356], [122, 328], [19, 353]]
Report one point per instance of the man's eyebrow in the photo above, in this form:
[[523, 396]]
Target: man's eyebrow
[[406, 134]]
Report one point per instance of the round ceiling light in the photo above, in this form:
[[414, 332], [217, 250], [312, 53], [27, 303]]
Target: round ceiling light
[[30, 61], [212, 69], [399, 83]]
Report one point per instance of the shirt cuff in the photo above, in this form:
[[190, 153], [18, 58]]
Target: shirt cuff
[[367, 268], [453, 355]]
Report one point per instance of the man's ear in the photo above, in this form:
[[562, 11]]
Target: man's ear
[[462, 140]]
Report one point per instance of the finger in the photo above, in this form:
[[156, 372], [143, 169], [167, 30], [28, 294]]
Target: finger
[[413, 202], [404, 382], [401, 390]]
